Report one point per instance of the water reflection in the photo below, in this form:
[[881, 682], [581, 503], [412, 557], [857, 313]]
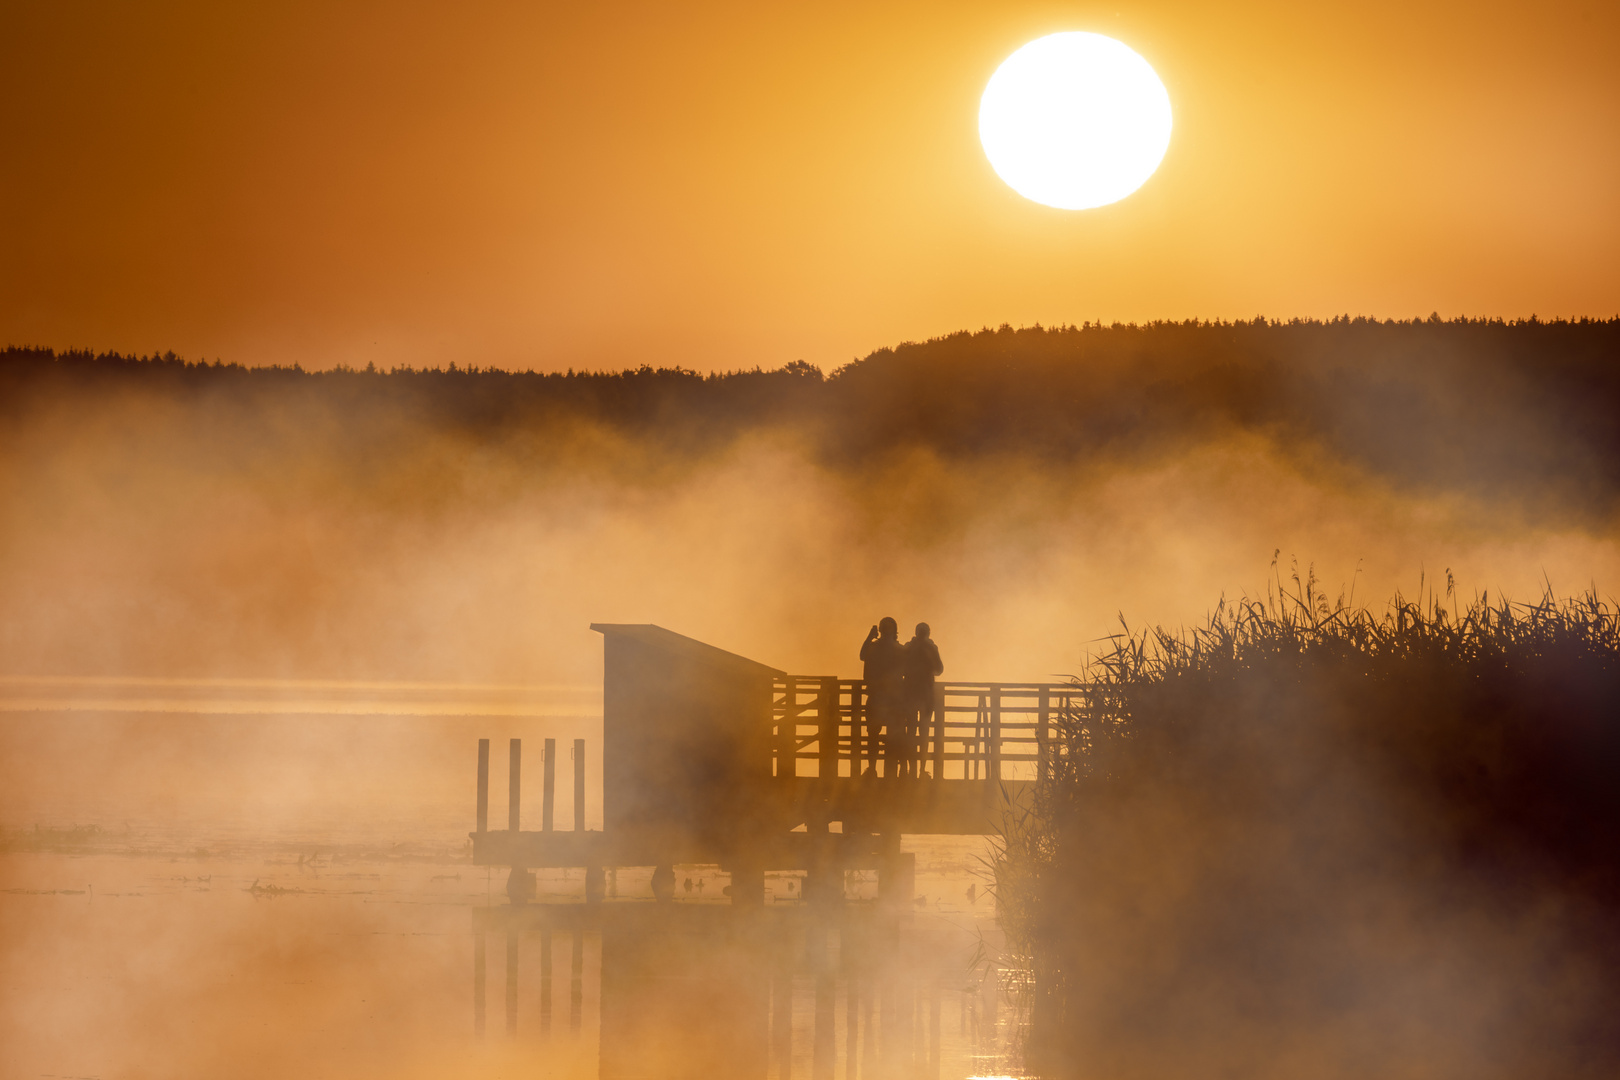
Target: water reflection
[[709, 991], [200, 957]]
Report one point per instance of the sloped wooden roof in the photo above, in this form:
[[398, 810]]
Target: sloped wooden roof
[[689, 648]]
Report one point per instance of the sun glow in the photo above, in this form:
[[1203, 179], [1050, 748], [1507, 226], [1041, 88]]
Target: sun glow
[[1075, 120]]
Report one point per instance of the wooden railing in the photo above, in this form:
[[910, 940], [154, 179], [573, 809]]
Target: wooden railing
[[974, 731]]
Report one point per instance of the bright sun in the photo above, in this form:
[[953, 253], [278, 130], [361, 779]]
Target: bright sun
[[1075, 120]]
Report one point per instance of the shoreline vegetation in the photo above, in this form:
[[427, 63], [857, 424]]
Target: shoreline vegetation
[[1528, 410], [1310, 838]]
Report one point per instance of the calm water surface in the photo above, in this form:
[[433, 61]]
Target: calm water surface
[[189, 894]]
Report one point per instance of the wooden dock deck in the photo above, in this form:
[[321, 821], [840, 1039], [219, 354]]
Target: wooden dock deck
[[712, 758]]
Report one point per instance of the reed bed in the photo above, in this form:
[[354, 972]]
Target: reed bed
[[1308, 838]]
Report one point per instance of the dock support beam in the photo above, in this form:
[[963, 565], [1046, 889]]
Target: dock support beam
[[579, 785], [548, 785], [823, 1063], [545, 981], [514, 783], [480, 981], [576, 980], [483, 785], [747, 881], [511, 978]]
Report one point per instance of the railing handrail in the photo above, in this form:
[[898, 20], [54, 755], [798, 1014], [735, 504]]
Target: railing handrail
[[980, 725]]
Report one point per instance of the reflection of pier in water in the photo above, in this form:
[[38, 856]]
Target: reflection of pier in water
[[712, 760], [713, 991]]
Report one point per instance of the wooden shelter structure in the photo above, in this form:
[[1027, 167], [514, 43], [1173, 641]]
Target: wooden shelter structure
[[713, 758]]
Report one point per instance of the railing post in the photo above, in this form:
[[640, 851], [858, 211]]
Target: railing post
[[981, 727], [827, 729], [787, 729], [857, 733], [548, 785], [514, 783], [579, 785], [483, 785], [995, 732], [1043, 768], [939, 731]]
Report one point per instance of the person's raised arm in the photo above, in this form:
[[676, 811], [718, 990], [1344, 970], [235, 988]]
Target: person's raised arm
[[866, 646]]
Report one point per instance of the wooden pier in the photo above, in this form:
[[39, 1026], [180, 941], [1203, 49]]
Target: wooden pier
[[711, 758]]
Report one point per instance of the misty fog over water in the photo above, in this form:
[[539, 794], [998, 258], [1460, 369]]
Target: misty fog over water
[[253, 624]]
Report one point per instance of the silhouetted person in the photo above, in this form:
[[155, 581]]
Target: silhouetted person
[[885, 687], [921, 664]]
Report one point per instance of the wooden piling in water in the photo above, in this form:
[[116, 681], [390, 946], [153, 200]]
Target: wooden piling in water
[[548, 785], [480, 982], [511, 978], [933, 1030], [822, 1049], [852, 1018], [545, 981], [483, 785], [576, 982], [579, 785], [782, 1022], [514, 783]]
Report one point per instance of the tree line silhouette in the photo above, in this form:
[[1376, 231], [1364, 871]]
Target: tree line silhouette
[[1527, 408]]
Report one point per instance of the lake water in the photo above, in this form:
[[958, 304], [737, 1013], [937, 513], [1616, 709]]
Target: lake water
[[278, 883]]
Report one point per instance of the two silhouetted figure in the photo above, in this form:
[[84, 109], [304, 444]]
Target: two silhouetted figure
[[900, 693]]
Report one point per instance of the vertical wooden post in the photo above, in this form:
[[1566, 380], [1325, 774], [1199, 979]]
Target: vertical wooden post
[[579, 785], [933, 1030], [852, 1019], [827, 729], [869, 1047], [548, 785], [995, 732], [480, 980], [1043, 749], [981, 727], [939, 731], [511, 977], [576, 981], [545, 981], [782, 1022], [747, 880], [822, 1060], [514, 783], [889, 1019], [857, 729], [483, 785], [913, 1024], [787, 733]]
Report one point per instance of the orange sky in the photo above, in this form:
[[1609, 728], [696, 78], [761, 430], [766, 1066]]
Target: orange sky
[[731, 184]]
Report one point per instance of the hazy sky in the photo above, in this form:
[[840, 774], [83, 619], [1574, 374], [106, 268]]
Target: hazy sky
[[725, 184]]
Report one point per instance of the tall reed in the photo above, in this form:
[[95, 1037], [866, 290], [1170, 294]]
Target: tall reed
[[1307, 838]]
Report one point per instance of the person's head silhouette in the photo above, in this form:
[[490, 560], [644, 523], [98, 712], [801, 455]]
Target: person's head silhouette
[[922, 630], [887, 627]]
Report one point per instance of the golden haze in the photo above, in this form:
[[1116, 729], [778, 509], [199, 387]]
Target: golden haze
[[723, 185]]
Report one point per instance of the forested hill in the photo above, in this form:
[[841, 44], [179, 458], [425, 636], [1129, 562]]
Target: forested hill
[[1529, 409]]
